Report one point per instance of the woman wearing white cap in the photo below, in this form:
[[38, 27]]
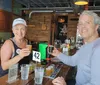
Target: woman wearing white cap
[[14, 49]]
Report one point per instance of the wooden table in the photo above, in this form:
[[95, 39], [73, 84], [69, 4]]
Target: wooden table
[[46, 81]]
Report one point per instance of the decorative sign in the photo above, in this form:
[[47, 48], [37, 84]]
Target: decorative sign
[[36, 56]]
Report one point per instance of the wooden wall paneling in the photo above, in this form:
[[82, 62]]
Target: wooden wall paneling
[[9, 21], [35, 31], [72, 25], [5, 21], [2, 21], [53, 27]]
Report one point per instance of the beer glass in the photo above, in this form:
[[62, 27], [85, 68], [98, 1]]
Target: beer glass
[[30, 47], [50, 49]]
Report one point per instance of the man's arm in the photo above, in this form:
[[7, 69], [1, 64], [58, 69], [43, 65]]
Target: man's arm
[[95, 68]]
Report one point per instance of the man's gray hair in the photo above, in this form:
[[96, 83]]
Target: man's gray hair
[[94, 15]]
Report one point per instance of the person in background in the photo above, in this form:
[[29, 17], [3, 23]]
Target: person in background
[[87, 58], [14, 50]]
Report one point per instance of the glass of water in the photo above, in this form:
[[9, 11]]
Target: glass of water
[[12, 73], [39, 73], [25, 71]]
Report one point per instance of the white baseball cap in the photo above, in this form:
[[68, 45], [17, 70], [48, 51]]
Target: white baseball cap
[[19, 21]]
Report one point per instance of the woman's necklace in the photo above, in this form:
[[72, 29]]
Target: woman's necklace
[[20, 43]]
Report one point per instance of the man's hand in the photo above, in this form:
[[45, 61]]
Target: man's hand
[[59, 81], [55, 52]]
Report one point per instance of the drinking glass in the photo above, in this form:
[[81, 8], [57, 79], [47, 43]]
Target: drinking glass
[[30, 47], [39, 73], [12, 73], [50, 49], [25, 71], [48, 71]]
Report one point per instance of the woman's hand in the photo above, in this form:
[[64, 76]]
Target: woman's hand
[[59, 81], [55, 52], [24, 52]]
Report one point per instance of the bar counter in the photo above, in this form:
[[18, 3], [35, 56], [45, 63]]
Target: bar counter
[[46, 81]]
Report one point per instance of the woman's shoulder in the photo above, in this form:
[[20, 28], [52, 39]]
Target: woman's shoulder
[[7, 43]]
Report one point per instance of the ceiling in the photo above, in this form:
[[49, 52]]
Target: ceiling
[[58, 5]]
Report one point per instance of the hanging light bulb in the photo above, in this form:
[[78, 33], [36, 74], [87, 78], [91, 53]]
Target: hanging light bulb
[[81, 2], [61, 19]]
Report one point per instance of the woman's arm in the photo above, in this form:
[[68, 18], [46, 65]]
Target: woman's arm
[[6, 53]]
